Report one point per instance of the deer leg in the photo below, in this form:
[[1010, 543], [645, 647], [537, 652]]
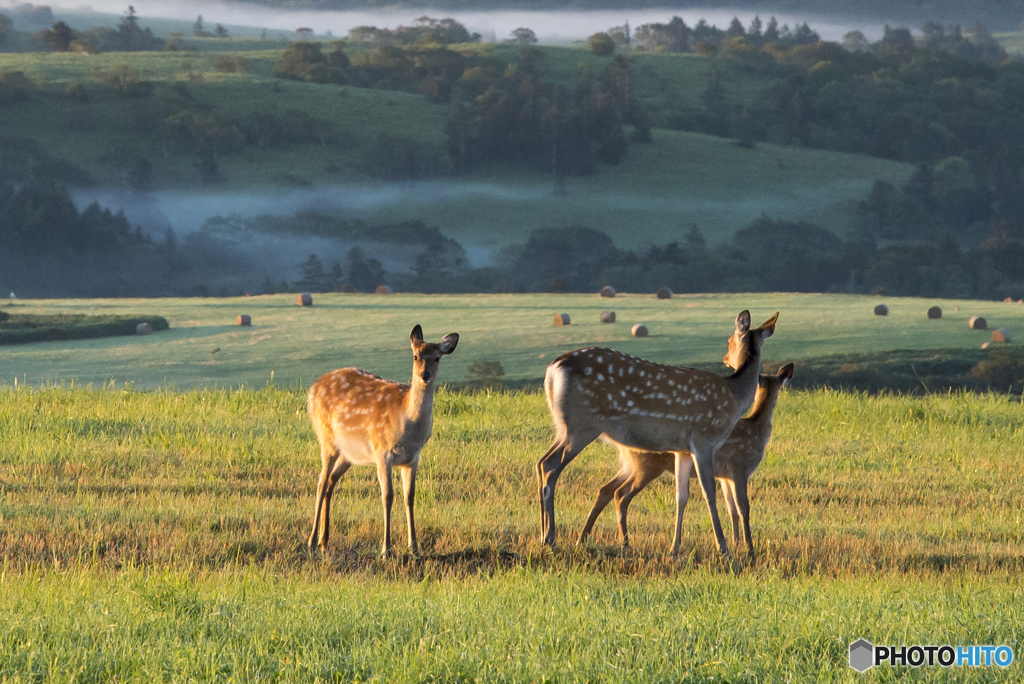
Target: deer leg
[[683, 470], [729, 494], [703, 460], [604, 497], [550, 468], [387, 496], [624, 496], [557, 446], [743, 503], [328, 459], [341, 466], [409, 490]]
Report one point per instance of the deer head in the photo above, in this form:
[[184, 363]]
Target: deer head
[[426, 356], [745, 342]]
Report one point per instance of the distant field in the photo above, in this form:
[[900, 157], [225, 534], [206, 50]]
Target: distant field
[[298, 344]]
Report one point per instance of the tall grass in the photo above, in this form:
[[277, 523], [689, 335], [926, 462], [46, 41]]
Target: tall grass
[[853, 485]]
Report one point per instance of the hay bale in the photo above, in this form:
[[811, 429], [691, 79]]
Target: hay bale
[[1008, 300], [639, 330], [607, 316], [305, 299], [562, 319], [881, 310], [383, 289], [1001, 335], [607, 291], [977, 323], [347, 288], [143, 328], [935, 312], [244, 319], [663, 293]]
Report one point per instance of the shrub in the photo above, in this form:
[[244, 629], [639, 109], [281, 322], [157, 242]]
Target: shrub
[[23, 328], [601, 44]]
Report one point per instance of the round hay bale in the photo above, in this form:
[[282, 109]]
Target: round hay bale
[[383, 289], [1001, 335], [305, 299], [607, 316], [639, 330], [882, 310], [977, 323], [562, 319], [1008, 300], [347, 288], [663, 293], [935, 312], [607, 291], [244, 319], [143, 328]]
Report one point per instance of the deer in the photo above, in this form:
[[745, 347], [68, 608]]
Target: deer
[[735, 461], [638, 404], [362, 419]]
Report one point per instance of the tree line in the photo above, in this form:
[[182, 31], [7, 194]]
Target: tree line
[[54, 250]]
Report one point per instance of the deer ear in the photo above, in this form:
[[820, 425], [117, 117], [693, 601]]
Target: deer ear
[[786, 373], [448, 343], [768, 327], [416, 336], [743, 323]]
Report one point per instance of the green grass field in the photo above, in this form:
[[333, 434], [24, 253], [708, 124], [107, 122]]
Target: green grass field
[[159, 535], [298, 344]]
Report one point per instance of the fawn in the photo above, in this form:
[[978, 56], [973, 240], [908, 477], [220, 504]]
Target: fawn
[[361, 419], [638, 404], [735, 461]]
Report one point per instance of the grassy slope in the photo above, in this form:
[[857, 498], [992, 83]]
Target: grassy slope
[[369, 331], [660, 191], [159, 534], [654, 195]]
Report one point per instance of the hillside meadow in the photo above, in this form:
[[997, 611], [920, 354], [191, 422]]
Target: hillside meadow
[[656, 194], [291, 345]]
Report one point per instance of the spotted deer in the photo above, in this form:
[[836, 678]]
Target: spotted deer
[[361, 419], [735, 461], [639, 404]]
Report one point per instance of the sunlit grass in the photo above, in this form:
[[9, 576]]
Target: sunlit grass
[[852, 485], [159, 535]]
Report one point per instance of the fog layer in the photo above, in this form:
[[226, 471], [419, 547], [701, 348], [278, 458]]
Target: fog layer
[[551, 27]]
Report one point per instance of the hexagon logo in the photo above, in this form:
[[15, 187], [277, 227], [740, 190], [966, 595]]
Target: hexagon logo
[[862, 655]]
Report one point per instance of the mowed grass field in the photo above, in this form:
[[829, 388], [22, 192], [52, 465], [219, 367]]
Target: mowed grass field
[[159, 535], [294, 345], [655, 195]]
